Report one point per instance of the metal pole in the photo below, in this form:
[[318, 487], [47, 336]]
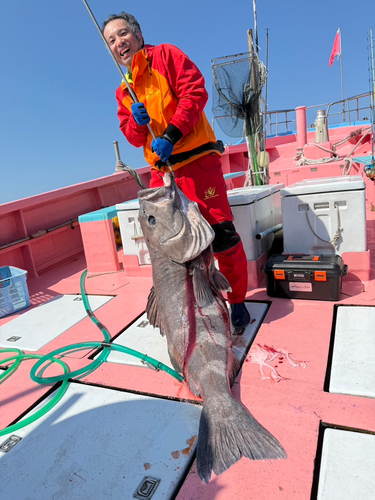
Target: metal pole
[[122, 166], [266, 96], [255, 26], [342, 85], [267, 69], [250, 134], [117, 151], [372, 99], [131, 92]]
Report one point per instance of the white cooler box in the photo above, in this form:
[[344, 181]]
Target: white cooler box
[[133, 242], [255, 209], [326, 216]]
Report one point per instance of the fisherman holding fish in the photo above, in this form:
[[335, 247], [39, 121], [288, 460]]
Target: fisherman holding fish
[[186, 220], [172, 96]]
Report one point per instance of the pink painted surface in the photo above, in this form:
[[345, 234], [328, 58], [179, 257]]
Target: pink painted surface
[[36, 220], [301, 126], [359, 265], [130, 264], [294, 342], [315, 151], [18, 393], [291, 347], [254, 271], [291, 405], [99, 246]]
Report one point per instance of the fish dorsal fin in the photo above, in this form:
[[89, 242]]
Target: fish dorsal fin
[[152, 311], [202, 288]]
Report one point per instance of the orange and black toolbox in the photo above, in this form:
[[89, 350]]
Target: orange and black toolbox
[[314, 277]]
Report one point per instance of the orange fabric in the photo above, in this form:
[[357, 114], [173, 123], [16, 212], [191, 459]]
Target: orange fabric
[[172, 90]]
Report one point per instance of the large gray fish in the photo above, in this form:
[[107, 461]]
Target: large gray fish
[[187, 304]]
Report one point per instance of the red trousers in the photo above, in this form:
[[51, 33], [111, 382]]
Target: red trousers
[[202, 181]]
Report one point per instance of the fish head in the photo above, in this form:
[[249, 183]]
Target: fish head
[[172, 224]]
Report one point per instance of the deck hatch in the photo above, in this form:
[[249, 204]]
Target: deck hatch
[[347, 466], [38, 326], [143, 337], [352, 370], [101, 443]]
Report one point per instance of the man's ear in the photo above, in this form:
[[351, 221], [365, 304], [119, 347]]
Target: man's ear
[[140, 39]]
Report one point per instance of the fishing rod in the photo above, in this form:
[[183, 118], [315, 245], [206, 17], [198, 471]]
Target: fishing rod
[[131, 91]]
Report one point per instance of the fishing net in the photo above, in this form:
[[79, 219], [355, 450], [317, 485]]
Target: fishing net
[[238, 82]]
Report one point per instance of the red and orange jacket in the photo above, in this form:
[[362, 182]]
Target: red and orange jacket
[[173, 91]]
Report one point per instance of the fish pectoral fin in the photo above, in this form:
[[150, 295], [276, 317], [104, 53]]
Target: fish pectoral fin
[[202, 288], [174, 363], [152, 311], [233, 367], [220, 282]]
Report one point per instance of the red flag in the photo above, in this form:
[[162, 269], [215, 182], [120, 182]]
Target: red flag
[[336, 49]]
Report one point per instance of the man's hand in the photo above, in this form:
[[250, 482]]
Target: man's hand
[[140, 114], [162, 147]]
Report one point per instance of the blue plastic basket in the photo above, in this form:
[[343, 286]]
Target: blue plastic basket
[[14, 294]]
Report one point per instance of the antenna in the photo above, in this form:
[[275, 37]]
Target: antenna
[[369, 168], [372, 86]]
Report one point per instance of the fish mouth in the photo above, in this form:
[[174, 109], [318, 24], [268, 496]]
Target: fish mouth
[[163, 241]]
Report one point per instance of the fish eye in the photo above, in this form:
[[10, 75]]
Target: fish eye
[[151, 220]]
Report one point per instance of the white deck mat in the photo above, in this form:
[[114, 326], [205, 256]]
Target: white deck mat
[[352, 369], [144, 338], [38, 326], [347, 467], [98, 443]]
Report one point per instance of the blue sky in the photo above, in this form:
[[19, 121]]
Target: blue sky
[[57, 105]]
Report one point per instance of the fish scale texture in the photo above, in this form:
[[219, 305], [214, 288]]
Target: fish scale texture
[[188, 306]]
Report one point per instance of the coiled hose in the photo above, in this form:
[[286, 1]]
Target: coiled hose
[[35, 373]]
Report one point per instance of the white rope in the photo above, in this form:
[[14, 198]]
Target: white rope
[[121, 167], [350, 160], [337, 235], [302, 160]]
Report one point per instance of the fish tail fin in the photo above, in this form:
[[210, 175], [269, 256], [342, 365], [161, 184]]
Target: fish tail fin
[[228, 433]]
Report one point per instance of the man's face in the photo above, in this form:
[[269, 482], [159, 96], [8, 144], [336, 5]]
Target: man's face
[[123, 43]]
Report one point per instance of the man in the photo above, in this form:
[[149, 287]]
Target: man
[[172, 96]]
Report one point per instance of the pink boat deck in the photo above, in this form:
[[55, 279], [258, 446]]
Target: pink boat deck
[[288, 395]]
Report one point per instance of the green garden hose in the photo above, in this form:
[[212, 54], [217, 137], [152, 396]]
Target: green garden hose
[[67, 376], [18, 358]]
